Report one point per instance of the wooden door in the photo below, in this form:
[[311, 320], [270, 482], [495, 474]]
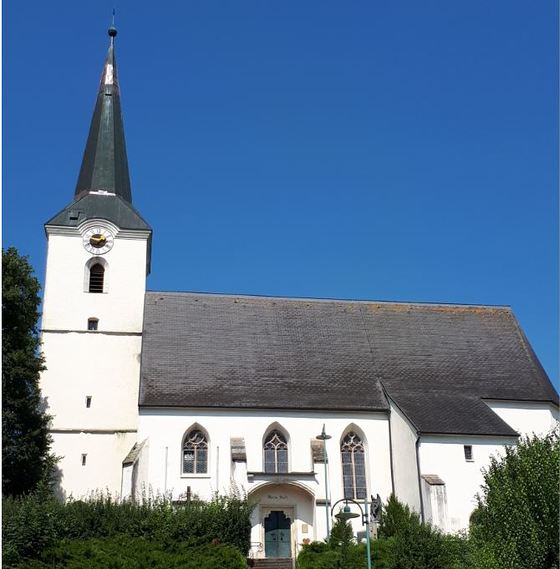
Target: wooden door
[[277, 535]]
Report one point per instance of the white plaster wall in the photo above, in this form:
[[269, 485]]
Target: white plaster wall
[[103, 469], [142, 471], [405, 469], [444, 456], [105, 367], [104, 364], [434, 499], [526, 417], [166, 428], [126, 481], [66, 305]]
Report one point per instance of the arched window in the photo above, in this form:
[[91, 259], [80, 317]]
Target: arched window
[[275, 452], [353, 466], [96, 278], [195, 453]]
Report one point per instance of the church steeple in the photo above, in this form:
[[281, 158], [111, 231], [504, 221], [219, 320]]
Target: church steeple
[[105, 164], [103, 190]]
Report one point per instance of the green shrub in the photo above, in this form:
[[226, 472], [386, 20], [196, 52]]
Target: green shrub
[[415, 545], [396, 517], [137, 553], [29, 524], [32, 523], [516, 523], [320, 555]]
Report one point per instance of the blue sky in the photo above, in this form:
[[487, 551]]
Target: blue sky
[[397, 150]]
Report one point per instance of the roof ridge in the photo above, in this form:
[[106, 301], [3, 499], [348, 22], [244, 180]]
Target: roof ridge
[[503, 307]]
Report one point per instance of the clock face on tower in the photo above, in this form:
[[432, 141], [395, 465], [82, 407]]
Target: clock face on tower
[[98, 240]]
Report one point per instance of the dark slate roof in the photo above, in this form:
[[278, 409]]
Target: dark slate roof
[[435, 361], [100, 206], [105, 164]]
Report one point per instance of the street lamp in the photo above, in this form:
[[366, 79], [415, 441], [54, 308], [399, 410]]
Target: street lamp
[[346, 514], [324, 437]]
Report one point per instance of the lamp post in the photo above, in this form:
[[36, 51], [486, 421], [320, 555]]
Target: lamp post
[[346, 514], [324, 437]]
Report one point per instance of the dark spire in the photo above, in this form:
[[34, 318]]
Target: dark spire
[[105, 165]]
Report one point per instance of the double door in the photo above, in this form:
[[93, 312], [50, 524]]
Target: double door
[[277, 535]]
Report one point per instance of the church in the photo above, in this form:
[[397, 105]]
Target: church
[[296, 402]]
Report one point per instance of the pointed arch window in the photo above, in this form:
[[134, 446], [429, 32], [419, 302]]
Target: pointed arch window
[[275, 452], [96, 278], [195, 453], [353, 466]]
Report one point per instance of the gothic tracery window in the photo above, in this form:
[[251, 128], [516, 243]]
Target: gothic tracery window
[[275, 452], [353, 466], [195, 453]]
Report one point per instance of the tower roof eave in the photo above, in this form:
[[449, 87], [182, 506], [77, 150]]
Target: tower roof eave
[[111, 207]]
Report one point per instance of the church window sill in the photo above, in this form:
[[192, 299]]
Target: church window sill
[[281, 476], [202, 476]]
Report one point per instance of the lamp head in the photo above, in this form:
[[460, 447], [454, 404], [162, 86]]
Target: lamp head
[[323, 436], [346, 514]]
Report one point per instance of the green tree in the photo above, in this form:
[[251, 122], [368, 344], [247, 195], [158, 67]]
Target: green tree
[[25, 438], [516, 522], [342, 538], [396, 518]]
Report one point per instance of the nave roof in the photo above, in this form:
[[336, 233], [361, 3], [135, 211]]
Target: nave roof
[[437, 362]]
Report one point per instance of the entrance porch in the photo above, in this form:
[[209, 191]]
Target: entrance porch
[[282, 520]]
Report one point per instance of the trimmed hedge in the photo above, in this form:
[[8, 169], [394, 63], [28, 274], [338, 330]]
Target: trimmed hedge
[[136, 553], [33, 523]]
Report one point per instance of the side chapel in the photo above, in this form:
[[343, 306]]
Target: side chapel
[[186, 393]]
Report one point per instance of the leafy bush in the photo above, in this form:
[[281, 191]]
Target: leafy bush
[[516, 522], [396, 517], [415, 545], [404, 543], [29, 524], [320, 555], [32, 523], [137, 553]]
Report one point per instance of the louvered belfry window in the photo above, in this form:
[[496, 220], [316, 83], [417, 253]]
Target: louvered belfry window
[[195, 453], [96, 278], [275, 453], [353, 466]]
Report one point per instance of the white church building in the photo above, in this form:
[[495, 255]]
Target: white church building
[[193, 394]]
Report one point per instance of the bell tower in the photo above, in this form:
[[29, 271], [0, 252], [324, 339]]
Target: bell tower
[[97, 262]]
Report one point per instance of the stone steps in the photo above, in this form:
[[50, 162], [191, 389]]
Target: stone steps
[[276, 563]]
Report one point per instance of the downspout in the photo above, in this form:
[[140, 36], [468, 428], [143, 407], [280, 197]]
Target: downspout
[[165, 474], [391, 458], [391, 455], [419, 478], [217, 469]]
